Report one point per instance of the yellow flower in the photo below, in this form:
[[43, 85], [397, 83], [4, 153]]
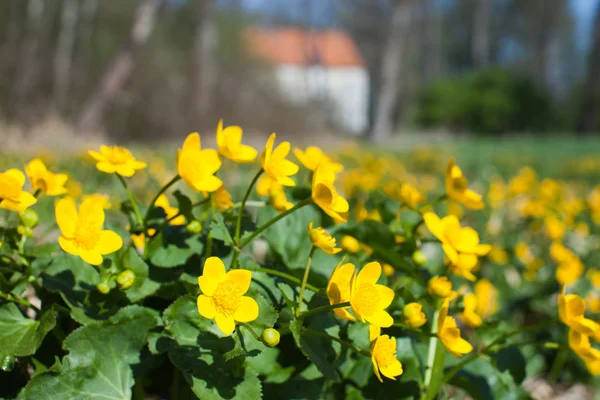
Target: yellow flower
[[74, 188], [322, 239], [115, 159], [405, 193], [229, 141], [555, 228], [101, 199], [170, 212], [449, 333], [368, 299], [223, 297], [383, 354], [139, 240], [571, 309], [12, 196], [487, 298], [276, 165], [81, 232], [49, 183], [457, 188], [338, 288], [593, 301], [581, 345], [222, 199], [197, 167], [280, 202], [440, 286], [569, 270], [413, 315], [324, 194], [469, 314], [350, 244], [461, 245], [313, 156], [388, 270], [498, 256]]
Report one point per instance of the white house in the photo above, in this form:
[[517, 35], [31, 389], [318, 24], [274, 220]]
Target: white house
[[317, 65]]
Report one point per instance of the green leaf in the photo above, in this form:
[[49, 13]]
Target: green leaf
[[100, 358], [75, 281], [219, 229], [143, 286], [184, 204], [172, 247], [266, 364], [512, 359], [475, 385], [19, 335]]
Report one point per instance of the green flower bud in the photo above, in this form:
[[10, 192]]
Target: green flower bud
[[103, 288], [126, 279], [270, 337], [419, 257], [29, 218], [25, 231], [193, 227]]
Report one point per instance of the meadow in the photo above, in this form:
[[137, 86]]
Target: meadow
[[460, 269]]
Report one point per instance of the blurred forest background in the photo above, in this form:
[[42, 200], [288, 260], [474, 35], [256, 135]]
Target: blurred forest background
[[156, 69]]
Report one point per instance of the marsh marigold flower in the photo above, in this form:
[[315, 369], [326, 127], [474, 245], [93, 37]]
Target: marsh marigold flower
[[350, 244], [49, 183], [369, 299], [461, 245], [487, 298], [413, 315], [313, 156], [469, 314], [405, 193], [383, 354], [440, 286], [12, 196], [276, 165], [322, 239], [571, 310], [324, 194], [81, 231], [197, 167], [116, 159], [457, 188], [223, 297], [581, 345], [338, 288], [101, 199], [170, 211], [222, 199], [449, 333], [229, 141]]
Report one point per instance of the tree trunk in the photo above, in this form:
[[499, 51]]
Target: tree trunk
[[122, 65], [204, 57], [589, 116], [480, 42], [64, 52], [391, 66]]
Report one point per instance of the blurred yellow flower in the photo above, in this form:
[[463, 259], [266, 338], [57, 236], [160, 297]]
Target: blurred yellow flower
[[498, 256], [81, 231], [413, 315], [313, 156], [47, 182], [571, 310], [322, 239], [569, 270], [461, 245], [223, 297], [338, 288], [581, 345], [116, 159], [222, 199], [383, 354], [406, 194], [163, 202], [139, 240], [350, 244], [197, 167], [229, 141], [276, 165], [457, 188], [388, 270], [74, 188], [555, 228], [487, 298], [12, 196], [440, 286], [324, 194], [101, 199], [369, 299], [449, 333], [469, 314]]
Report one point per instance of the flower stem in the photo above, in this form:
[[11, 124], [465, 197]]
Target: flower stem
[[265, 226], [435, 362], [238, 224], [175, 179], [20, 301], [136, 210], [557, 365], [209, 239], [304, 280], [336, 339], [316, 310], [249, 328], [283, 275]]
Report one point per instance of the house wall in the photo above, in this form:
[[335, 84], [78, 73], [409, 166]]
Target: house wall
[[345, 89]]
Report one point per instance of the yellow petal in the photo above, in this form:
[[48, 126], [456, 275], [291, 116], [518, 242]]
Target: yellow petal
[[386, 295], [391, 370], [376, 369], [16, 174], [247, 310], [370, 273], [450, 252], [245, 153], [266, 156], [242, 277], [107, 167], [374, 332], [206, 308], [208, 184], [225, 324], [192, 142], [91, 256], [381, 318], [68, 245], [25, 200], [125, 170], [96, 156], [212, 274], [90, 210], [281, 151], [66, 216], [109, 242]]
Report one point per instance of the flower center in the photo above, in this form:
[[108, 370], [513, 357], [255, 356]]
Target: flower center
[[9, 187], [366, 299], [118, 155], [41, 184], [227, 298], [87, 234]]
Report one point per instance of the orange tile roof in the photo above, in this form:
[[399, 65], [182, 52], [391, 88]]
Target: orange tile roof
[[330, 48]]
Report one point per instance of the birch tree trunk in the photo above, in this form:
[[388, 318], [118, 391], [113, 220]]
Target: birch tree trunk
[[122, 65], [391, 69], [64, 52], [204, 57]]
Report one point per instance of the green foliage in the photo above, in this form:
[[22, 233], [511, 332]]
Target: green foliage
[[19, 335]]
